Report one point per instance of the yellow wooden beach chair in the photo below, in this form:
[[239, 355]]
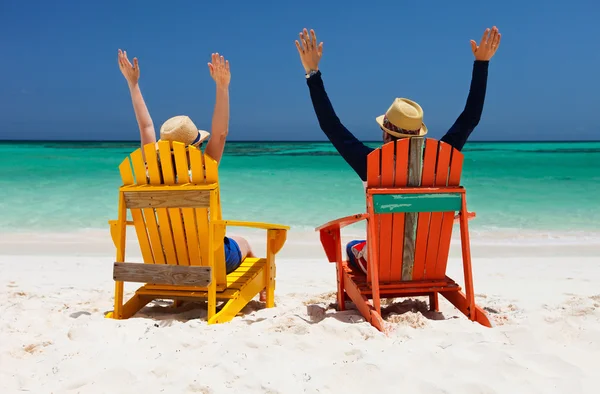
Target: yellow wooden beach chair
[[176, 211]]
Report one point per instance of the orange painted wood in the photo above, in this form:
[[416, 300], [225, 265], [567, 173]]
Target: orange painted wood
[[427, 179], [397, 234], [456, 165], [373, 179], [385, 220], [435, 223]]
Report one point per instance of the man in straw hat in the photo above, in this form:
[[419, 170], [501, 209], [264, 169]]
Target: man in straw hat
[[182, 129], [403, 119]]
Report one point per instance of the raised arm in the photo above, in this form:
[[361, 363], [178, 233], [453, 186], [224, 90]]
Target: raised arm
[[350, 148], [132, 76], [460, 131], [219, 71]]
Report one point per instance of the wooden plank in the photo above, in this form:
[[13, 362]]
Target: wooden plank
[[427, 179], [162, 274], [138, 215], [176, 214], [416, 202], [126, 172], [211, 167], [435, 226], [152, 163], [196, 165], [373, 180], [196, 229], [397, 234], [168, 199], [456, 165], [385, 220], [410, 225], [217, 246], [164, 222]]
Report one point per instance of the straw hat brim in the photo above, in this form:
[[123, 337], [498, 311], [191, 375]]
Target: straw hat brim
[[422, 130]]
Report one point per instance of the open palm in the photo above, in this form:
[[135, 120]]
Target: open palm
[[219, 70], [129, 71], [488, 46]]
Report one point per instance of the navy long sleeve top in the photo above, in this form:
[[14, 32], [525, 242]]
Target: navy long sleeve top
[[355, 152]]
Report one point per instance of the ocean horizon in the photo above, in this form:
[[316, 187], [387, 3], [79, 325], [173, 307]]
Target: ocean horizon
[[547, 187]]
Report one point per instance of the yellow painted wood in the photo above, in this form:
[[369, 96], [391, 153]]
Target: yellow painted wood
[[249, 290], [202, 227], [130, 188], [260, 225], [212, 288], [139, 215], [125, 171], [200, 236], [212, 172], [166, 162], [196, 165], [217, 246], [181, 163], [152, 163], [177, 222]]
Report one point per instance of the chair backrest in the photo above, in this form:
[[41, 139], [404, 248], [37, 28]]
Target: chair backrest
[[179, 192], [412, 245]]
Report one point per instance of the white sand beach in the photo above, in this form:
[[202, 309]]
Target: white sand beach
[[544, 301]]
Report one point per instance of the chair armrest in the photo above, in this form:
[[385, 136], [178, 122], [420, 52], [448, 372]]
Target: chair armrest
[[342, 222], [470, 215], [114, 222], [264, 226], [276, 233]]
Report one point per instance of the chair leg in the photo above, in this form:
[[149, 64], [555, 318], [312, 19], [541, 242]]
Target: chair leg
[[234, 305], [118, 311], [459, 300], [434, 305], [341, 296]]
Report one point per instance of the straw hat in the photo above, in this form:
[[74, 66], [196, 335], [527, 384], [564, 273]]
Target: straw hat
[[182, 129], [403, 119]]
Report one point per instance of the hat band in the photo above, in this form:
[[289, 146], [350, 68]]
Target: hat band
[[194, 142], [389, 125]]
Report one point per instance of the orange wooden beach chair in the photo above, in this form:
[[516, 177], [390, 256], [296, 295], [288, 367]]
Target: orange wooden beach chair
[[413, 196]]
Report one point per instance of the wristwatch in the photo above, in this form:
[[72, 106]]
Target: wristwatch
[[311, 73]]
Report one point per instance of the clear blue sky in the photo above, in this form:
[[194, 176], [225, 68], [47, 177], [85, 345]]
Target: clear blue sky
[[60, 79]]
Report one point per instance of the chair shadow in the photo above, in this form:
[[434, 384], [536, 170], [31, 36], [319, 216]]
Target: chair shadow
[[165, 312], [317, 313]]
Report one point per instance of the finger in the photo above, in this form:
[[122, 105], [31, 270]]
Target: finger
[[303, 41], [127, 62], [222, 64], [314, 38], [210, 69], [473, 46], [493, 35], [227, 65], [320, 50], [497, 41], [306, 38], [300, 50], [135, 63], [484, 37]]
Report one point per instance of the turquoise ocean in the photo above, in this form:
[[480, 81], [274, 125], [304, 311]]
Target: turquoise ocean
[[545, 188]]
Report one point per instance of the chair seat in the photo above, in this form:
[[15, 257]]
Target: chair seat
[[391, 289], [247, 271]]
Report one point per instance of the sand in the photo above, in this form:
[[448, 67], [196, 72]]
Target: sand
[[544, 301]]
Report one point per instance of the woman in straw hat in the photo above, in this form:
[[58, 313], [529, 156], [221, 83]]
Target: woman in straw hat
[[182, 129], [403, 119]]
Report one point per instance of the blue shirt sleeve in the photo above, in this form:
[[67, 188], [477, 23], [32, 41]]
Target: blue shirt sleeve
[[460, 131], [349, 147]]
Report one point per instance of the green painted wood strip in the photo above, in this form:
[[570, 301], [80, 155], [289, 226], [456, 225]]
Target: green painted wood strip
[[421, 202]]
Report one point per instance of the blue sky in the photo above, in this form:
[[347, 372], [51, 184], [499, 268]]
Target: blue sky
[[60, 79]]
